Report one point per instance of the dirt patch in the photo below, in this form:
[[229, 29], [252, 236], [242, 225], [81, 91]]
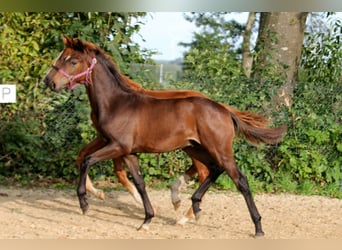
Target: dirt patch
[[55, 214]]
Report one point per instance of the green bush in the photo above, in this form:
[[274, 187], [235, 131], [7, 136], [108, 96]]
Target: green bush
[[311, 151]]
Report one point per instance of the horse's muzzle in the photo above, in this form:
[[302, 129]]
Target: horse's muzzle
[[49, 83]]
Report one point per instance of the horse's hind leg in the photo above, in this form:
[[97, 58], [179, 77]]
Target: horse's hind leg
[[133, 166], [241, 183]]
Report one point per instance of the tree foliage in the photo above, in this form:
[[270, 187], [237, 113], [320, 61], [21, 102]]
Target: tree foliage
[[212, 57], [322, 50]]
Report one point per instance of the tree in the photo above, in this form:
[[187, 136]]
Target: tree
[[278, 50], [213, 57], [247, 57]]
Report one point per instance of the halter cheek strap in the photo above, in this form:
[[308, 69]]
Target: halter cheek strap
[[72, 78]]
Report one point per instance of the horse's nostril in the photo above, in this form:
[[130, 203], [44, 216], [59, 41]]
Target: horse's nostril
[[49, 83], [46, 80]]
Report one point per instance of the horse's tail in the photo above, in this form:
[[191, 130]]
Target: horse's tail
[[254, 127]]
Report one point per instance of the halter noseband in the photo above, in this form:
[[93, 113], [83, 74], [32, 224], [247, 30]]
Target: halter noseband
[[71, 78]]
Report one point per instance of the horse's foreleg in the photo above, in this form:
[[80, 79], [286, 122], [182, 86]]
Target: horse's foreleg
[[87, 150], [201, 154], [133, 165], [178, 184], [81, 189], [107, 152], [121, 174], [215, 172]]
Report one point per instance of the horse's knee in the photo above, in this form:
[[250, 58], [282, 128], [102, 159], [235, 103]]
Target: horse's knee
[[80, 157], [79, 160], [85, 163]]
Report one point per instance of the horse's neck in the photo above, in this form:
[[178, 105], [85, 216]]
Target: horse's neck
[[104, 90], [93, 102]]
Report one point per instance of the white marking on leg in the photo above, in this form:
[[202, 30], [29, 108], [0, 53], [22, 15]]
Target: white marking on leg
[[98, 193], [176, 186], [143, 228], [182, 221], [134, 192]]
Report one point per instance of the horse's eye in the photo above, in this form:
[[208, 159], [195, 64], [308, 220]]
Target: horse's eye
[[73, 62]]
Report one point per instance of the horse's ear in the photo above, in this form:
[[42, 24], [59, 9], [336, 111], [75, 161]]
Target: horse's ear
[[78, 45], [73, 43], [67, 41]]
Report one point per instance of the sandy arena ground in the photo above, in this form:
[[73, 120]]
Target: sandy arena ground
[[55, 214]]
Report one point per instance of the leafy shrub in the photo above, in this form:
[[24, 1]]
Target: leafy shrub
[[312, 149]]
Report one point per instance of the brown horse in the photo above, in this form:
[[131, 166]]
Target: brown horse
[[249, 119], [131, 122]]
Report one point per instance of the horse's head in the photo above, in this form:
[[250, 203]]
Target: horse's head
[[72, 67]]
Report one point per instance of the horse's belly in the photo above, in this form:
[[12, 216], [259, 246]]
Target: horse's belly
[[165, 144]]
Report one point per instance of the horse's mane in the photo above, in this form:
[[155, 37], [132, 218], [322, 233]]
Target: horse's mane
[[87, 47], [110, 65]]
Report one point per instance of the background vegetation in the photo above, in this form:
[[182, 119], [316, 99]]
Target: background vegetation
[[41, 134]]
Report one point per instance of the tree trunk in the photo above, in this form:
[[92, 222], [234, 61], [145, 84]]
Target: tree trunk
[[247, 58], [278, 50]]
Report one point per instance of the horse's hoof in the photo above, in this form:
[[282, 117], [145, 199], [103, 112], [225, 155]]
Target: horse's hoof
[[259, 235], [85, 209], [143, 228], [181, 222], [197, 215], [176, 204]]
